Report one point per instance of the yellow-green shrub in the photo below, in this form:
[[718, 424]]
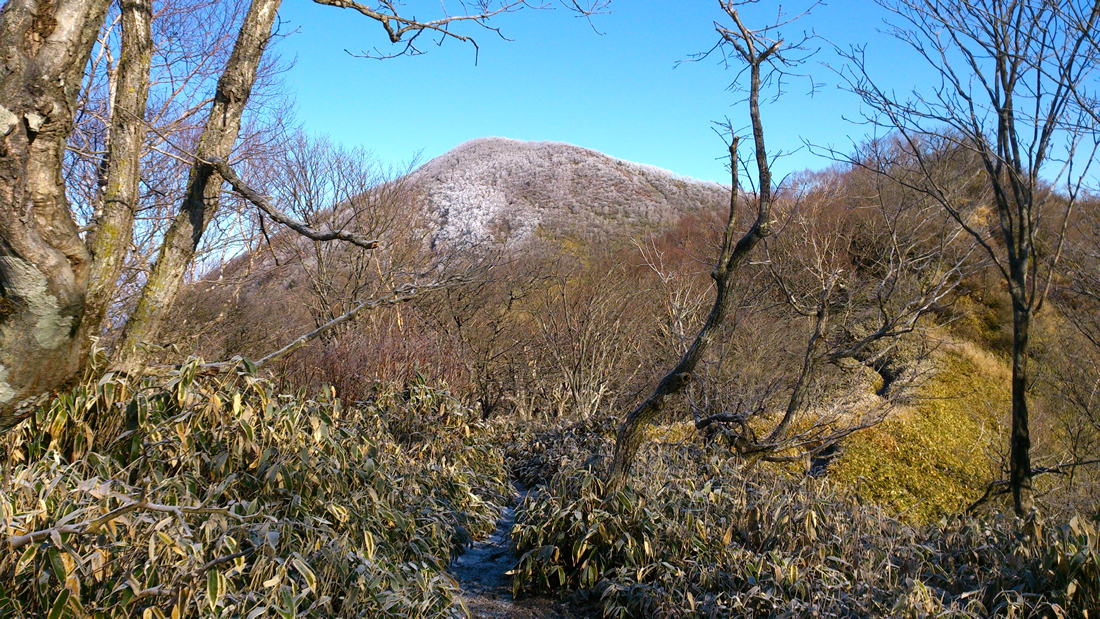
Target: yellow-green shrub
[[937, 456]]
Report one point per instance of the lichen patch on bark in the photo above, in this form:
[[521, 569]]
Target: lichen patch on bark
[[6, 390], [8, 121], [51, 329]]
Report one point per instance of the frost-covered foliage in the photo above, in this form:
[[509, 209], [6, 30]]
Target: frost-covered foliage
[[225, 499], [694, 537], [510, 191]]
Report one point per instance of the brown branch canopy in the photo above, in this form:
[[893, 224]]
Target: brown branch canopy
[[279, 216], [399, 296]]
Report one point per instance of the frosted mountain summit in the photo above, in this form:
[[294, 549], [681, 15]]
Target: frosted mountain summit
[[508, 191]]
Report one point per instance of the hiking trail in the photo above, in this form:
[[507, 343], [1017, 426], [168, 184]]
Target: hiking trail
[[481, 572]]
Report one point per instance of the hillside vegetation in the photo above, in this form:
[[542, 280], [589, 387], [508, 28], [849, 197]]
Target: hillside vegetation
[[225, 499], [343, 479], [508, 191]]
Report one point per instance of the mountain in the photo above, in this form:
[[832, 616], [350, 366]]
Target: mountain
[[492, 193], [512, 191]]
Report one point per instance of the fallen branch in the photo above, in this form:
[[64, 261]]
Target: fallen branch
[[703, 424]]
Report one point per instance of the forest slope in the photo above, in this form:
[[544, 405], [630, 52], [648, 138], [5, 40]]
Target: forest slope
[[501, 196]]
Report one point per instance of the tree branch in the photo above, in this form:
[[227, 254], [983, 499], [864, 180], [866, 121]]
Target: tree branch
[[279, 216], [93, 525], [992, 489]]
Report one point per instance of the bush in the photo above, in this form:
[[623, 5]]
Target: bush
[[691, 538], [222, 499], [535, 454]]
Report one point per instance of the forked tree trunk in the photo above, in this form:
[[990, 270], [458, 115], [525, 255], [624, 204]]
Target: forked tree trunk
[[632, 433], [203, 187], [44, 264], [756, 49]]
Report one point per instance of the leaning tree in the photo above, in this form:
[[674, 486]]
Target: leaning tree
[[856, 267]]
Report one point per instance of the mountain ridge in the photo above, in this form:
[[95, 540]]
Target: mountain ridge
[[514, 190]]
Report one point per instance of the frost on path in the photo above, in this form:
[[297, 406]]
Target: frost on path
[[481, 572]]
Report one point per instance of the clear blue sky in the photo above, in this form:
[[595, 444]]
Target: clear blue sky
[[619, 92]]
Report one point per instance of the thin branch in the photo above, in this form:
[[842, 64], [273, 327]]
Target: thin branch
[[1001, 486], [93, 525]]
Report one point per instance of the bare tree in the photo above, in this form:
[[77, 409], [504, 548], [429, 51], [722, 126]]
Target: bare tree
[[763, 56], [862, 266], [856, 262], [203, 187], [588, 335], [182, 76], [1015, 88], [45, 263], [347, 190]]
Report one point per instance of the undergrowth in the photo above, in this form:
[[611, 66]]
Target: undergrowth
[[935, 457], [692, 536], [223, 499], [217, 497]]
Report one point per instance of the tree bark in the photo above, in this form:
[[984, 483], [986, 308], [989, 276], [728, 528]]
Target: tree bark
[[203, 189], [44, 264], [1020, 441], [113, 223]]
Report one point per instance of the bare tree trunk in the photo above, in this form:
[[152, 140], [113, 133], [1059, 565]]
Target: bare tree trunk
[[1020, 441], [756, 49], [113, 222], [44, 264], [203, 189], [632, 433], [809, 362]]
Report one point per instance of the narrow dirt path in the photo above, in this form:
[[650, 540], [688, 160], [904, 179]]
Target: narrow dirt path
[[486, 589]]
